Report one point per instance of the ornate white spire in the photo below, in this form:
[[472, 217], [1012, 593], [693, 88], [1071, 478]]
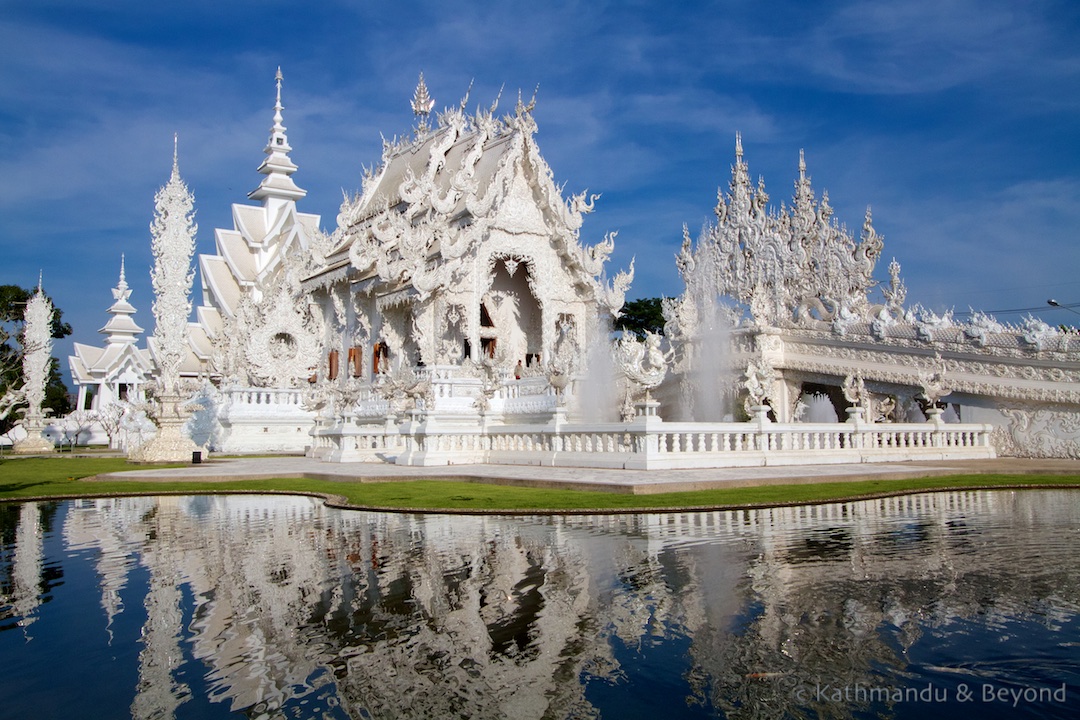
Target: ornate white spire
[[121, 328], [173, 243], [37, 351], [277, 167], [422, 104]]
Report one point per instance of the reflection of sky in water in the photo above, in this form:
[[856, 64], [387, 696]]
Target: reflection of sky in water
[[279, 607]]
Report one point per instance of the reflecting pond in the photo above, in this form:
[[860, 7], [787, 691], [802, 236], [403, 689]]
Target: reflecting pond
[[268, 606]]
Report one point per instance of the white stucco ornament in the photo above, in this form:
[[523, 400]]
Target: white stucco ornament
[[643, 363], [760, 382], [37, 352], [282, 350], [173, 243]]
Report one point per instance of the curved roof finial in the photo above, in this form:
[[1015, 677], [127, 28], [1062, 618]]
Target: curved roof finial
[[422, 102], [465, 100]]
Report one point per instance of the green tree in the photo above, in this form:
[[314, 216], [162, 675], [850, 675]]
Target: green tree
[[13, 301], [639, 316]]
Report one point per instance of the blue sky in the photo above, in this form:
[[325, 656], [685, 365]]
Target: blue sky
[[958, 121]]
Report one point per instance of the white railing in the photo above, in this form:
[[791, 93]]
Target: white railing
[[649, 444], [262, 397]]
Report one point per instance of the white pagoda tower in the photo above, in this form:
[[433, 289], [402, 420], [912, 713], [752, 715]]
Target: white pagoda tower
[[255, 330]]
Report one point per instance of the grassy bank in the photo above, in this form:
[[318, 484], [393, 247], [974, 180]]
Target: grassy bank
[[22, 478]]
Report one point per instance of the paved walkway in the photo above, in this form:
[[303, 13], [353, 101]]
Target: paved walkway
[[619, 481]]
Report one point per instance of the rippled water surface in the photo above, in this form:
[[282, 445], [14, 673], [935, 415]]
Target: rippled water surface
[[242, 606]]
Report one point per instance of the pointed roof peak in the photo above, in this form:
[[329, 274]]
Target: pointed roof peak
[[121, 329], [421, 105], [278, 107], [522, 108], [738, 146], [422, 102], [277, 166], [468, 92], [175, 176], [802, 165], [40, 273]]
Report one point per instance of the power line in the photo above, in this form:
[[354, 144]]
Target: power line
[[1039, 308]]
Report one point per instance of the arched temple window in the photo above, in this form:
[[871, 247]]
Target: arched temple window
[[356, 355], [333, 363]]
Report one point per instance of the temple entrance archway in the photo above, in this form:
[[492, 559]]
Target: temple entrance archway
[[510, 315]]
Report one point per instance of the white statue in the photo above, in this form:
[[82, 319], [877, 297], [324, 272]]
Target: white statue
[[643, 362], [37, 352], [760, 382], [934, 386], [173, 242]]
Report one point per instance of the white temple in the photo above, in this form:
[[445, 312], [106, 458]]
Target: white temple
[[454, 315], [116, 372], [255, 333]]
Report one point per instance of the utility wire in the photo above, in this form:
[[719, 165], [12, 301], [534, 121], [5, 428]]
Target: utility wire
[[1040, 308]]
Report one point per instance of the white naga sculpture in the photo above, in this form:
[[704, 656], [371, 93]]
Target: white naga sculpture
[[934, 386], [37, 351], [645, 366], [173, 244], [760, 383]]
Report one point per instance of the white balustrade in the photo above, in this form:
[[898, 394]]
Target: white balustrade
[[678, 445]]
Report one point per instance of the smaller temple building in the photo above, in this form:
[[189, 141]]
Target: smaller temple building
[[113, 376]]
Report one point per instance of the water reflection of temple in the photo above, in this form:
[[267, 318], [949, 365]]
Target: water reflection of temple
[[284, 601]]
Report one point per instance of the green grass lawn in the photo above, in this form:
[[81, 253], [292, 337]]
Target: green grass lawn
[[61, 476]]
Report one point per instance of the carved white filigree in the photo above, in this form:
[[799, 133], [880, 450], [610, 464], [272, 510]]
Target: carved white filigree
[[1037, 333], [173, 243], [981, 327], [37, 354], [934, 383], [796, 265], [855, 392], [642, 361], [928, 325], [760, 382], [1036, 431], [282, 351], [430, 219], [404, 390]]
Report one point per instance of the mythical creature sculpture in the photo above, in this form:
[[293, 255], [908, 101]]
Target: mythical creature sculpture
[[404, 389], [760, 383], [1037, 333], [855, 391], [643, 362], [934, 384]]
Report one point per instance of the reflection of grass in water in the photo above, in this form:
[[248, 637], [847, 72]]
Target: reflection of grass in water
[[58, 476]]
